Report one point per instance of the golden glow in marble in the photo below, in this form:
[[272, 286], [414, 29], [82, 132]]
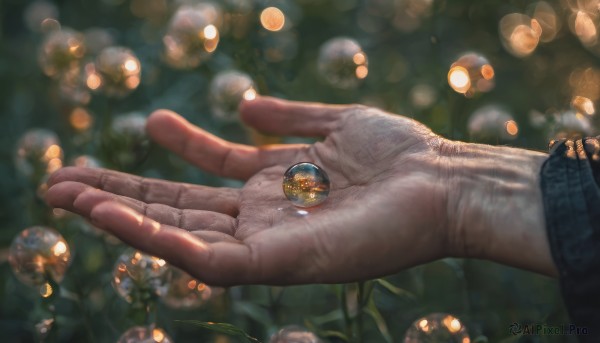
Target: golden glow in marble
[[306, 184]]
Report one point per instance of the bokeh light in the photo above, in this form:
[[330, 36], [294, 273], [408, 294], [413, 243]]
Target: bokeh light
[[585, 83], [342, 62], [227, 90], [546, 21], [471, 73], [459, 80], [39, 253], [93, 81], [583, 105], [38, 153], [80, 119], [492, 124], [585, 28], [192, 35], [272, 19], [145, 334], [437, 327], [46, 290], [186, 292], [61, 51], [520, 34], [138, 277], [119, 72]]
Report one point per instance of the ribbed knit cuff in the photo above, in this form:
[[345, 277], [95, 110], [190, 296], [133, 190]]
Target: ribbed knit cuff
[[571, 197]]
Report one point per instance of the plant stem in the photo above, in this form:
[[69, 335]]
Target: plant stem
[[344, 304], [359, 311]]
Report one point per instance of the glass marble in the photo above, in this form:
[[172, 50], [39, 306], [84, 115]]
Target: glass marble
[[37, 253], [227, 90], [520, 34], [471, 73], [492, 124], [294, 334], [61, 51], [127, 143], [437, 328], [342, 62], [38, 153], [145, 334], [119, 71], [306, 184], [186, 292], [138, 277], [192, 35]]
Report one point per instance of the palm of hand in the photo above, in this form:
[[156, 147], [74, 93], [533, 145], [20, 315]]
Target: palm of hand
[[382, 214]]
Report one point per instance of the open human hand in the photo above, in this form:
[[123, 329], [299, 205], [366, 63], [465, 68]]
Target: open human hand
[[389, 206]]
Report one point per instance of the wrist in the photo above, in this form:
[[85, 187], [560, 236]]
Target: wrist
[[495, 208]]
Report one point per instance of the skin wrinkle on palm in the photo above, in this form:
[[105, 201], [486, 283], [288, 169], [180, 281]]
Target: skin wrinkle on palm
[[401, 196]]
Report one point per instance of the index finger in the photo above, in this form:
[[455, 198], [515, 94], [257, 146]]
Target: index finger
[[212, 153], [239, 161], [223, 263]]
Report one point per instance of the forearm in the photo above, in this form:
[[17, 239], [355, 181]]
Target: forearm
[[495, 206]]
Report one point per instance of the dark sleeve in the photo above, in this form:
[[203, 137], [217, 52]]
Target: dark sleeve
[[570, 181]]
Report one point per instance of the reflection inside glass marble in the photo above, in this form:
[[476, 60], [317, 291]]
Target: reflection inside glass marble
[[306, 184]]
